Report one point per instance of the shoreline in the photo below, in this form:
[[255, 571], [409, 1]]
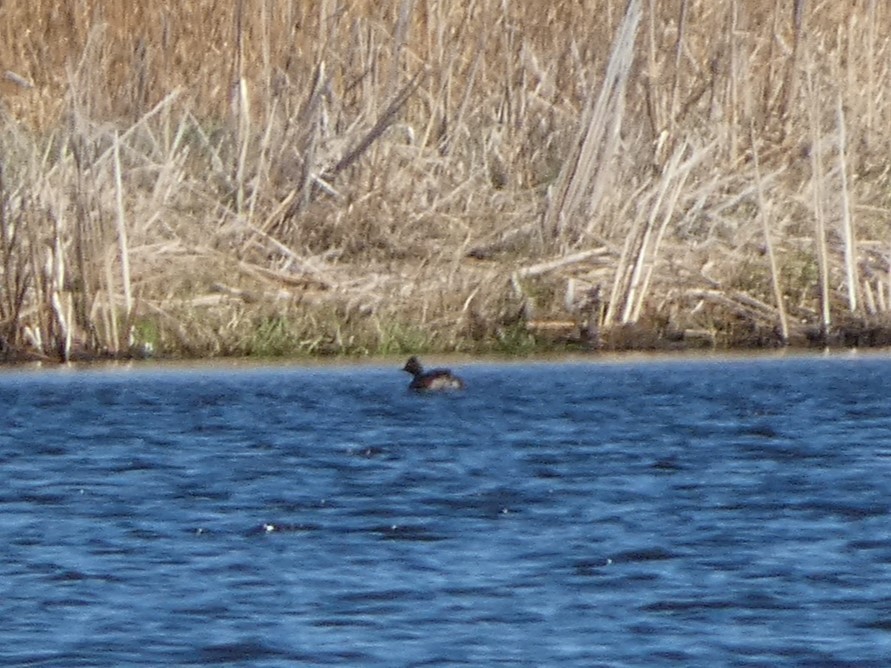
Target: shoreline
[[544, 355]]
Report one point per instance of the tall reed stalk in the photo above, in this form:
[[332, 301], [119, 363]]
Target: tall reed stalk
[[817, 199], [586, 170], [847, 218], [763, 215]]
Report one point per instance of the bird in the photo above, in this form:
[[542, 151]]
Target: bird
[[433, 380]]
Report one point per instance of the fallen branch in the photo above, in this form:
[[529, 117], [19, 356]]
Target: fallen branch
[[386, 120], [739, 302], [551, 265]]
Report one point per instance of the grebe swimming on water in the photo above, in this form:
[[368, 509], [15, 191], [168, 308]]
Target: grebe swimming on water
[[435, 379]]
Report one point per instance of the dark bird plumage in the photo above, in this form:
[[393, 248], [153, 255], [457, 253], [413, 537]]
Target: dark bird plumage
[[434, 379]]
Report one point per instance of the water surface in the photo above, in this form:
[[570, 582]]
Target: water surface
[[717, 512]]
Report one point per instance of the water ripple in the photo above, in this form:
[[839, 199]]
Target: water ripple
[[572, 514]]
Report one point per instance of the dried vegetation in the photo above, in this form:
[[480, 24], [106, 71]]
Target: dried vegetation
[[351, 177]]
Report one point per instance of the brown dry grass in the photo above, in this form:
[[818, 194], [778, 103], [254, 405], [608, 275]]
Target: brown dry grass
[[273, 177]]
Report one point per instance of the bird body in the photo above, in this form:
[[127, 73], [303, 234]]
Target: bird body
[[432, 380]]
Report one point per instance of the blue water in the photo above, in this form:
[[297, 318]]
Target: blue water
[[711, 513]]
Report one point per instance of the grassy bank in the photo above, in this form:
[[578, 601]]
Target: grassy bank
[[292, 178]]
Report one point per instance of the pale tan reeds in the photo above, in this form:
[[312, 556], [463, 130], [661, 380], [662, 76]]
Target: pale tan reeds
[[586, 170], [123, 249], [851, 272], [817, 198], [764, 217]]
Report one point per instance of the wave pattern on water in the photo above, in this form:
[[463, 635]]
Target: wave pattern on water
[[574, 514]]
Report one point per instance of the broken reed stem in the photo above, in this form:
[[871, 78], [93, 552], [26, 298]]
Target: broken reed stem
[[762, 214], [678, 49], [645, 258], [111, 312], [888, 277], [666, 218], [243, 122], [619, 277], [868, 298], [384, 121], [633, 302], [791, 79], [734, 92], [14, 265], [123, 246], [260, 176], [241, 107], [585, 170], [550, 265], [652, 75], [872, 21], [403, 23], [817, 195], [59, 331], [847, 222], [639, 260], [311, 117]]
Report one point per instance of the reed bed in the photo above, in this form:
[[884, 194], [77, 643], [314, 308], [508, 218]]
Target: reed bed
[[280, 178]]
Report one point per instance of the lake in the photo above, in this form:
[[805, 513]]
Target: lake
[[710, 512]]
